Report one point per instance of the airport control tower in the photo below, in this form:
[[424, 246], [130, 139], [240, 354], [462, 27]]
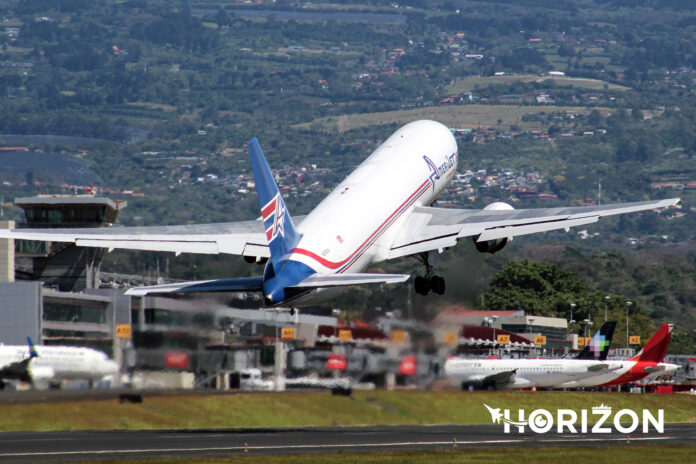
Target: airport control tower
[[63, 265]]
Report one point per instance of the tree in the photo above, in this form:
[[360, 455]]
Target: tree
[[537, 288], [222, 18]]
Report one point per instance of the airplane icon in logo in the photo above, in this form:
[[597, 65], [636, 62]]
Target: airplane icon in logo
[[496, 415]]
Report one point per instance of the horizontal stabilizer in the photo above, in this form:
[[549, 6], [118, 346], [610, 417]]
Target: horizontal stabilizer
[[242, 284], [654, 369], [340, 280]]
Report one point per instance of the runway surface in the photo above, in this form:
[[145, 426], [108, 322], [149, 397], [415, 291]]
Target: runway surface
[[35, 447]]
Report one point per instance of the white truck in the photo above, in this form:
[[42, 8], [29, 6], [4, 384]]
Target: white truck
[[251, 379]]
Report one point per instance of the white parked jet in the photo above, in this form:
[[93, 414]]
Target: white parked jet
[[383, 210], [44, 365], [520, 373]]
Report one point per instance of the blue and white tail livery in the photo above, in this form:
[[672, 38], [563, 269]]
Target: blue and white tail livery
[[280, 232], [381, 211], [32, 348]]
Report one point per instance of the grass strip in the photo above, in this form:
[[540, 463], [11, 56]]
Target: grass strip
[[298, 409], [620, 454]]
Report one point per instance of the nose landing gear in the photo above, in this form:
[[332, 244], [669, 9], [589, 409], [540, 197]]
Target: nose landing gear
[[424, 284]]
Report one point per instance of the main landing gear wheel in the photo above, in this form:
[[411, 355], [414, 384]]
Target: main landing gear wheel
[[424, 284], [437, 284]]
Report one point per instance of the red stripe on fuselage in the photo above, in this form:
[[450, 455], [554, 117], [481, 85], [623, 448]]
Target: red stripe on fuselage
[[334, 265], [635, 373]]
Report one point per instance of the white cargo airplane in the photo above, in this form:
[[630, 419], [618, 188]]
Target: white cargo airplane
[[383, 210], [499, 374], [45, 365]]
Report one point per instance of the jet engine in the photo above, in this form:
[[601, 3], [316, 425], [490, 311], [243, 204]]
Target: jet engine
[[41, 376], [494, 246]]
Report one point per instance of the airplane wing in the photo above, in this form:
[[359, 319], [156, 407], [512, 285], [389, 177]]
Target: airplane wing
[[245, 238], [18, 370], [426, 229], [429, 228], [593, 370], [250, 284], [598, 368], [499, 378]]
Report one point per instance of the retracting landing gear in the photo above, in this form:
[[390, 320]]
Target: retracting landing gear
[[425, 284]]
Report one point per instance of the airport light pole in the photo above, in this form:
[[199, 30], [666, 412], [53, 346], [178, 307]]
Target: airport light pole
[[495, 318], [495, 340], [487, 323], [628, 305], [588, 323], [606, 304], [571, 321]]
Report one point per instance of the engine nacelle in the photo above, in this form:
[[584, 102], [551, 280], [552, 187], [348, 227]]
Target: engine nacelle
[[490, 246], [41, 376], [499, 206], [494, 246]]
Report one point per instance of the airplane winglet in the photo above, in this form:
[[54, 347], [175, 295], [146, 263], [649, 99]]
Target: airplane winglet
[[280, 231]]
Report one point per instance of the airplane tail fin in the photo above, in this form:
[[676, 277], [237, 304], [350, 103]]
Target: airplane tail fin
[[598, 347], [32, 349], [656, 348], [280, 231]]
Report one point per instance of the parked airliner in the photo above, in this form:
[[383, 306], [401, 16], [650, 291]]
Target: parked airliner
[[647, 363], [383, 210], [47, 365], [520, 373]]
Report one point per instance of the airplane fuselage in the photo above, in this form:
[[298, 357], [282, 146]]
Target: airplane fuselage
[[56, 363], [525, 372], [354, 225]]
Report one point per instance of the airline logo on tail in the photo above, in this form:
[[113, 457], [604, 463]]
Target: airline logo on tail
[[273, 214], [598, 347], [598, 344]]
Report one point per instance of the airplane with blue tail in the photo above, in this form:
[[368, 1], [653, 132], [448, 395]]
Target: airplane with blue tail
[[382, 211], [50, 365]]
